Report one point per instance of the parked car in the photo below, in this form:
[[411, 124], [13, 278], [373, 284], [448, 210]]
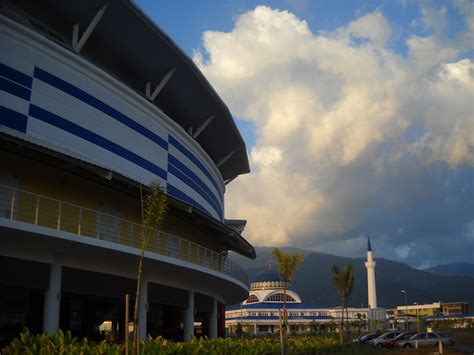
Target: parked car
[[425, 340], [399, 337], [367, 337], [384, 338]]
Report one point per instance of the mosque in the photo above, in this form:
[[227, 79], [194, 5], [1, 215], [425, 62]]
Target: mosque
[[260, 313]]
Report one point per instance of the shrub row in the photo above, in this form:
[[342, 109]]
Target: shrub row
[[64, 343]]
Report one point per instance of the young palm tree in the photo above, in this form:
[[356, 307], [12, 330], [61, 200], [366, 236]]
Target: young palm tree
[[343, 280], [154, 207], [287, 266]]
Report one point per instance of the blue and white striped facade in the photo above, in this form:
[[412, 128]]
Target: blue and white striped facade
[[54, 98]]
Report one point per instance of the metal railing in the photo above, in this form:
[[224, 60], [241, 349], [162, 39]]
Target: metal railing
[[24, 206]]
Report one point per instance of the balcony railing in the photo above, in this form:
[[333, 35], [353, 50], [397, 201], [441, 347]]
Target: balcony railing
[[24, 206]]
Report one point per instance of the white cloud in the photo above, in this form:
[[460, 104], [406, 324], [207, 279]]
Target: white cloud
[[373, 27], [266, 156], [335, 120]]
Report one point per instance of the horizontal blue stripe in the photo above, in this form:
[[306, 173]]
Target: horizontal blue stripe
[[180, 195], [13, 119], [276, 305], [188, 172], [98, 104], [94, 138], [173, 170], [15, 89], [15, 75], [191, 157], [276, 318]]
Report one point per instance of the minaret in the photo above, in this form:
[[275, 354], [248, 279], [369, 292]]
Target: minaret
[[370, 265]]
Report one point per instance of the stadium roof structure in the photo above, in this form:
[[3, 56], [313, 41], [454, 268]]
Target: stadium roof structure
[[153, 64]]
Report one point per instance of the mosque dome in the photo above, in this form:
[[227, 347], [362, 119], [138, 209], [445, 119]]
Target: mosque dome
[[267, 287], [268, 279], [267, 276]]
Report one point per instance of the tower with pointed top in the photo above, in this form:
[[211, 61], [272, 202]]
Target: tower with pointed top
[[370, 265]]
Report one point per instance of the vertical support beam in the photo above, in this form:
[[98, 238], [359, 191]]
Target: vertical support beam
[[221, 330], [52, 298], [188, 330], [213, 320], [127, 305], [143, 309]]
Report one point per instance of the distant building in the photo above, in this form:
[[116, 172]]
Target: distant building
[[260, 312], [432, 309], [465, 320]]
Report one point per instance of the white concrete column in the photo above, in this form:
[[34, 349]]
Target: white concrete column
[[143, 308], [188, 330], [52, 298], [213, 320]]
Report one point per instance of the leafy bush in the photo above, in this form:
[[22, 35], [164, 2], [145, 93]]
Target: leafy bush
[[64, 343]]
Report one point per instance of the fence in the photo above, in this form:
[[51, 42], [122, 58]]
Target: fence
[[19, 205]]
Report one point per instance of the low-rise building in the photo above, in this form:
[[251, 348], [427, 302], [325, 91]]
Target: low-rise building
[[432, 309]]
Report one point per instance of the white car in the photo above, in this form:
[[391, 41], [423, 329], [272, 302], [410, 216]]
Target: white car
[[425, 340], [384, 338]]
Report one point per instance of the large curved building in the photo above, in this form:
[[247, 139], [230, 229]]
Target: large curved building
[[96, 101]]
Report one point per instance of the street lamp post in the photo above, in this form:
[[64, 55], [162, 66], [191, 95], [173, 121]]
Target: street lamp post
[[417, 318], [406, 309]]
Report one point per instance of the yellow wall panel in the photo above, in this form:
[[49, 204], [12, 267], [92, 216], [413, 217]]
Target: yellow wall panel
[[69, 218], [48, 213], [89, 223], [25, 207]]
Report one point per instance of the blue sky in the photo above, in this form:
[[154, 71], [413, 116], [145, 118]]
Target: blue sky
[[186, 20], [358, 118]]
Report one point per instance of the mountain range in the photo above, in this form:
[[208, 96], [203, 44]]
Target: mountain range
[[313, 280], [464, 269]]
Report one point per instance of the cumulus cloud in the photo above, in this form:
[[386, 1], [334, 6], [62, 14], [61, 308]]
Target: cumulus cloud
[[352, 137]]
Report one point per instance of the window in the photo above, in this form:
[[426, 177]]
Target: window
[[252, 299], [431, 336], [279, 297]]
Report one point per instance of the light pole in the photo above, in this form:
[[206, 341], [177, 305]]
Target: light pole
[[406, 309], [417, 318]]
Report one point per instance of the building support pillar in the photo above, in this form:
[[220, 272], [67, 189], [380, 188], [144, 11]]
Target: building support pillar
[[189, 318], [213, 320], [143, 309], [52, 298]]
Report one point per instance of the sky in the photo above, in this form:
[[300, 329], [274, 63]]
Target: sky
[[358, 118]]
